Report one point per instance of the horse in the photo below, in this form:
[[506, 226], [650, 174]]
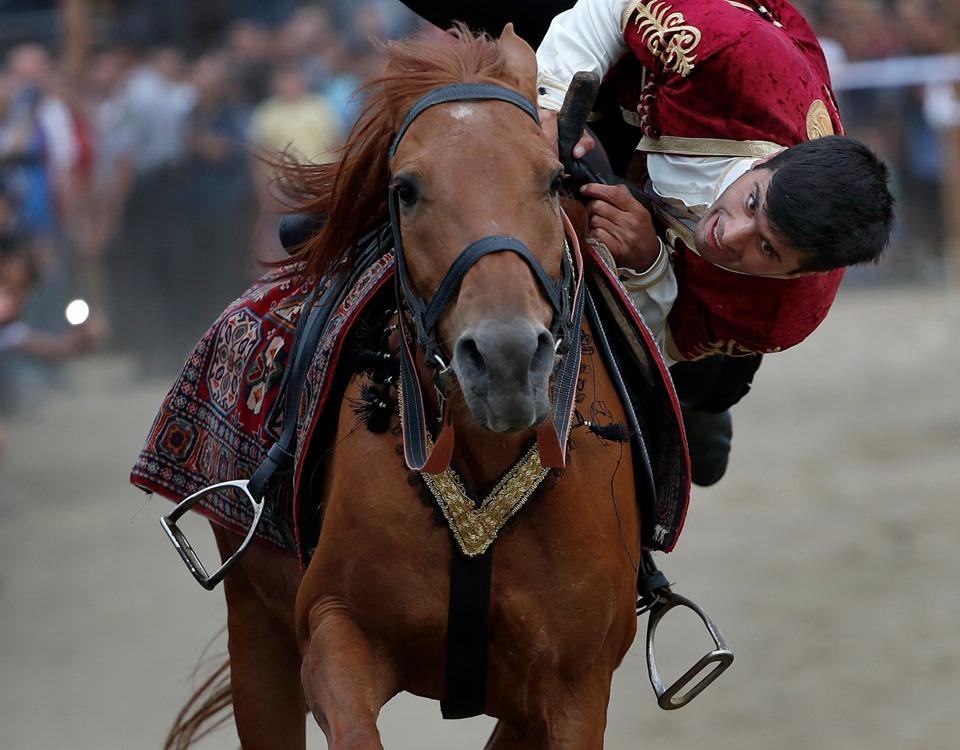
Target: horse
[[368, 616]]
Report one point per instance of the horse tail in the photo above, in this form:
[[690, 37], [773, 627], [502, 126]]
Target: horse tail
[[208, 709]]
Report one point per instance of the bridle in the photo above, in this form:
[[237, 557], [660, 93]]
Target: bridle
[[565, 297]]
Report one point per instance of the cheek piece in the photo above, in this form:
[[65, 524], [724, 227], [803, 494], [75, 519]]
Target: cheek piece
[[564, 295]]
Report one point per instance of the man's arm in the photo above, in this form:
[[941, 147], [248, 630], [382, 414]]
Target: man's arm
[[587, 37]]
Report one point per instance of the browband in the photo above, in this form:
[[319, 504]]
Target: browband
[[458, 92]]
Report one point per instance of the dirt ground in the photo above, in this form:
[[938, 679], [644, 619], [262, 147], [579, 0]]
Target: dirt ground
[[829, 555]]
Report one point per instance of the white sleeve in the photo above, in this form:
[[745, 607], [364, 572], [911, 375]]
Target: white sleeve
[[60, 137], [653, 292], [589, 36]]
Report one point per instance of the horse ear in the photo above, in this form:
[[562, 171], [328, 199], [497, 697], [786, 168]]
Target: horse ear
[[521, 62]]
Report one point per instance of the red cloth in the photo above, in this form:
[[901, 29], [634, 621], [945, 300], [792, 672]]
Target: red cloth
[[726, 72]]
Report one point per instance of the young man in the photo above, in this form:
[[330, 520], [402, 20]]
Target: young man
[[757, 205], [745, 251], [720, 90]]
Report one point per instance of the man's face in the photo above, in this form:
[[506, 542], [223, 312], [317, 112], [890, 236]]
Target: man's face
[[736, 234]]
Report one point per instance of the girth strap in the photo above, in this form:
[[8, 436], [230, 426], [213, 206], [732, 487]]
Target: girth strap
[[468, 625]]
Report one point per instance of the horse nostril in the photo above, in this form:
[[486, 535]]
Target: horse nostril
[[469, 357], [543, 357]]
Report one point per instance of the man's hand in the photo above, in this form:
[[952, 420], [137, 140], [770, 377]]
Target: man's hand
[[620, 222], [548, 120]]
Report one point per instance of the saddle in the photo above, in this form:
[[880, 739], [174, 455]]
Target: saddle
[[225, 410]]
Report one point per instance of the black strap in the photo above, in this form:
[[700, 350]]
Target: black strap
[[651, 582], [280, 456], [313, 319], [636, 434], [466, 260], [468, 625], [458, 92]]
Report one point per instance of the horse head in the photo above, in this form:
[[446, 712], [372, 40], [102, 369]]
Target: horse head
[[473, 170]]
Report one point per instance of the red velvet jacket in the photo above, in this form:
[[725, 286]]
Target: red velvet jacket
[[723, 78]]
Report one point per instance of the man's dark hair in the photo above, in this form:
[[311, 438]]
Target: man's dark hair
[[829, 199]]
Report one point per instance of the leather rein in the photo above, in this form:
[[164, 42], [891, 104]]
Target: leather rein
[[566, 297]]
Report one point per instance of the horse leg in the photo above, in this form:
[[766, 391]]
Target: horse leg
[[346, 680], [269, 708], [574, 720], [504, 737]]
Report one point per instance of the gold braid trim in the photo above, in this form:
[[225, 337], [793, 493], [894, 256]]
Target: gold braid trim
[[675, 144], [476, 528]]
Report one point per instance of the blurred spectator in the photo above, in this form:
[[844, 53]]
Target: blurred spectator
[[250, 48], [218, 183], [296, 118], [19, 272], [149, 257], [38, 144], [294, 121]]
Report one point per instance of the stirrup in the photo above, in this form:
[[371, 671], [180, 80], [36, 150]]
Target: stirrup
[[169, 524], [721, 656]]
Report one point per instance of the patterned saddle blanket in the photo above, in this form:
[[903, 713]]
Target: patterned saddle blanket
[[224, 410]]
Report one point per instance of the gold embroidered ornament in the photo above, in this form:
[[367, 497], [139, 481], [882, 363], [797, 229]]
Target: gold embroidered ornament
[[667, 35], [818, 120], [476, 527]]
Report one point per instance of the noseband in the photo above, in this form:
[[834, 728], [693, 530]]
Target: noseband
[[565, 297]]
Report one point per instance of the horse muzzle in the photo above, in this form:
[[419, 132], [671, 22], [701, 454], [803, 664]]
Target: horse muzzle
[[504, 367]]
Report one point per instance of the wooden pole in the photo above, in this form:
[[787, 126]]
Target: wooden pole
[[77, 38]]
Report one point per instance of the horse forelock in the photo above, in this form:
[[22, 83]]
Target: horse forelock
[[351, 192]]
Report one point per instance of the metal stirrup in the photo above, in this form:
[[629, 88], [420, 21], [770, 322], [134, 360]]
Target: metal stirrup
[[657, 599], [169, 523]]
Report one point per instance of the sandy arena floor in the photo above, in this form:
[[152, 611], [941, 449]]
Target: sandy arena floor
[[829, 555]]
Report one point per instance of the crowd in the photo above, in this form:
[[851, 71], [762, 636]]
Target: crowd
[[133, 180]]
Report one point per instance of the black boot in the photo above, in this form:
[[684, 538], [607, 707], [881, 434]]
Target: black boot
[[709, 437], [707, 388]]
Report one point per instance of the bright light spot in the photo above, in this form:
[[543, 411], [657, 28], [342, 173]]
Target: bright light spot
[[77, 312]]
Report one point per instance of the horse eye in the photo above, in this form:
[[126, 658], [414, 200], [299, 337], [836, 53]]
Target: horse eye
[[556, 183], [406, 192]]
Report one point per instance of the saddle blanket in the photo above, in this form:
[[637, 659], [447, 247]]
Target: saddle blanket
[[223, 412]]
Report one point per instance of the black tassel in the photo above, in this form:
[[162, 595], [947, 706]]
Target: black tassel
[[616, 432], [374, 408]]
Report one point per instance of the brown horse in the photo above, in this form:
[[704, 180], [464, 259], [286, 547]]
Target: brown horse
[[368, 618]]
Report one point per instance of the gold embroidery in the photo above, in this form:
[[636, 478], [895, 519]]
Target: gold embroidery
[[667, 35], [818, 120], [476, 528]]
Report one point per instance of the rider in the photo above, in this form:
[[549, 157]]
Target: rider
[[757, 205], [741, 257]]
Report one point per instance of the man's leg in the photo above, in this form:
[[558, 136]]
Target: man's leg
[[707, 388]]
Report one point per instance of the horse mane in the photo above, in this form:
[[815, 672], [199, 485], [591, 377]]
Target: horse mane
[[351, 192]]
